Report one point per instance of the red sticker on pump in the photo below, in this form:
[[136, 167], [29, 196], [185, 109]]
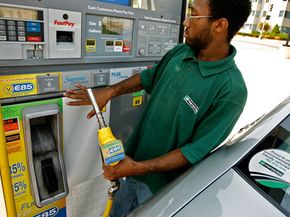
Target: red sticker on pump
[[10, 125], [34, 38]]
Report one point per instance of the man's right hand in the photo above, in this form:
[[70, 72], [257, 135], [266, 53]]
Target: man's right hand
[[81, 97]]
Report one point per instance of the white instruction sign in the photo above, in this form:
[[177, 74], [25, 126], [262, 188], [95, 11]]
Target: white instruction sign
[[271, 168]]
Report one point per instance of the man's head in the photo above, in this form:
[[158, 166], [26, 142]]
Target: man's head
[[218, 19], [235, 11]]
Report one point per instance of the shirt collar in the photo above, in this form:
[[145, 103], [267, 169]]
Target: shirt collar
[[208, 68]]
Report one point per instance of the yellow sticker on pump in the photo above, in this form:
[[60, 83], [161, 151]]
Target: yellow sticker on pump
[[20, 85], [17, 85], [137, 100]]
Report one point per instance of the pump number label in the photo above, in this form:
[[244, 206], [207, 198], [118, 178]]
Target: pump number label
[[137, 101]]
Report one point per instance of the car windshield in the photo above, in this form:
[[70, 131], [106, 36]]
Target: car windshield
[[267, 167]]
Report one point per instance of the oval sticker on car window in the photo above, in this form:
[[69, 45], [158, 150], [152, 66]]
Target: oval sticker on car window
[[271, 168]]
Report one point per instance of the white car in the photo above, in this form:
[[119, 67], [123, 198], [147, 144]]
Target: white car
[[247, 177]]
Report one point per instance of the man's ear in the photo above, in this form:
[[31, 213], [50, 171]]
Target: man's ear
[[221, 25]]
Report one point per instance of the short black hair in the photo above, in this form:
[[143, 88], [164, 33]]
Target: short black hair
[[235, 11]]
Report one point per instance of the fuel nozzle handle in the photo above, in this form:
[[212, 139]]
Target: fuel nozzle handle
[[99, 115]]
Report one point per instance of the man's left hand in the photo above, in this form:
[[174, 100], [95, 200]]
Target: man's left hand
[[126, 167]]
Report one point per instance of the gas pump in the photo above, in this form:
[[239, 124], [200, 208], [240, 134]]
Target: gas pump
[[45, 48]]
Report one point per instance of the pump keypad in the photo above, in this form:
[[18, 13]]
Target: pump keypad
[[13, 30]]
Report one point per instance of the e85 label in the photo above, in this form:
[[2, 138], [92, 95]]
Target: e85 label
[[48, 213], [18, 88], [22, 87]]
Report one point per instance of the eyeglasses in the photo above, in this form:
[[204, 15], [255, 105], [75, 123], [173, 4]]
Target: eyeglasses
[[196, 17]]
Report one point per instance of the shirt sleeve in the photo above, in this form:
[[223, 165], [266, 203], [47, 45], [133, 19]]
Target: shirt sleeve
[[150, 77], [212, 129]]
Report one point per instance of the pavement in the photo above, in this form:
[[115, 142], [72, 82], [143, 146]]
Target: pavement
[[265, 42], [266, 72]]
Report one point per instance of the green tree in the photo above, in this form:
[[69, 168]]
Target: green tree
[[276, 30], [266, 26]]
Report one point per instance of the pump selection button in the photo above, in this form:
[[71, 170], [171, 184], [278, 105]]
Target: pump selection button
[[101, 79], [2, 33], [2, 22], [3, 38], [2, 27], [47, 83]]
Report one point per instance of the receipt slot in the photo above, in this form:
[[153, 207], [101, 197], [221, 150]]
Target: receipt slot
[[43, 140]]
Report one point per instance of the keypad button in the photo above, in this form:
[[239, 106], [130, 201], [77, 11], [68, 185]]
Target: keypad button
[[21, 33], [12, 38], [21, 29], [13, 28], [11, 23], [11, 33], [21, 38], [3, 38], [21, 23]]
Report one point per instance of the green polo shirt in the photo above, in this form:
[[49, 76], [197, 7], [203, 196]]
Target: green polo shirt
[[193, 106]]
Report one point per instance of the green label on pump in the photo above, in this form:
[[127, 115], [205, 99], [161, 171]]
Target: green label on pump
[[139, 93]]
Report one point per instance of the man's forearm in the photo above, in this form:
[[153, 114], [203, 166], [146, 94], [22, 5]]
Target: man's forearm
[[128, 167], [129, 85], [171, 161]]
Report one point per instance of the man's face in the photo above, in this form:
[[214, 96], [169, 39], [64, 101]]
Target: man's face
[[198, 31]]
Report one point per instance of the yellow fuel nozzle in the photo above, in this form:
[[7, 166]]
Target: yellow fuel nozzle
[[111, 148]]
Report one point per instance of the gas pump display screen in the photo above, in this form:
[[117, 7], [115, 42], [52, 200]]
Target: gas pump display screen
[[20, 13], [119, 2], [108, 36], [114, 26]]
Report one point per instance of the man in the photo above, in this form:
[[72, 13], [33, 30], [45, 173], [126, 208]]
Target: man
[[196, 93]]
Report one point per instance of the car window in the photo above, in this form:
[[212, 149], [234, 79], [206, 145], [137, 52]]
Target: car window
[[267, 167]]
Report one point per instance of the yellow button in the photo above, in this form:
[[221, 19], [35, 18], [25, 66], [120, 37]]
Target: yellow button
[[137, 100]]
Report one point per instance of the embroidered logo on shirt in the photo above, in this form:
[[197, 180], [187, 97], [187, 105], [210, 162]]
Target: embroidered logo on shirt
[[191, 104]]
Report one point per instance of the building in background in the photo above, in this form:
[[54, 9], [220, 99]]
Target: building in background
[[269, 11]]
